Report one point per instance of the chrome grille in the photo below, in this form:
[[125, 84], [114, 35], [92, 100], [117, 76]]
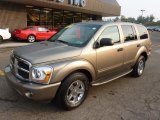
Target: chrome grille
[[20, 68]]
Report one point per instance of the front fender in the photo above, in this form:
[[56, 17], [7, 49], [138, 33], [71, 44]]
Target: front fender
[[63, 69]]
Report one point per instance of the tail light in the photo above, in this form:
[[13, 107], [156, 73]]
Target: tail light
[[18, 31]]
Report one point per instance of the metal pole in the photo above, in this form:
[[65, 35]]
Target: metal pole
[[142, 12]]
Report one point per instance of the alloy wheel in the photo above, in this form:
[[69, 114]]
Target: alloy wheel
[[75, 92], [141, 67], [31, 39]]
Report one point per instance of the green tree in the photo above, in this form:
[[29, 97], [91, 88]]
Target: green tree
[[145, 20], [141, 19], [151, 18], [123, 18], [148, 20], [131, 19], [116, 19]]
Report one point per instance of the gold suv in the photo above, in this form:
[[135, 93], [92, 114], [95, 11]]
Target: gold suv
[[80, 55]]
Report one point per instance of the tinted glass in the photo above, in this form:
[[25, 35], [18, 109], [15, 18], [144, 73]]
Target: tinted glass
[[42, 29], [129, 33], [30, 28], [142, 32], [112, 33], [77, 34], [33, 28]]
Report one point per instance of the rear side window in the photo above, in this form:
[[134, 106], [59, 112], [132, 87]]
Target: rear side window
[[142, 32], [129, 33], [42, 29], [111, 32], [32, 28]]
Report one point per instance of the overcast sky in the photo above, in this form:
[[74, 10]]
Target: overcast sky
[[132, 8]]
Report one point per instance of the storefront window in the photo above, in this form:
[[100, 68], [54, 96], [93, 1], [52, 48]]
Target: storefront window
[[33, 16], [86, 17], [77, 17], [68, 17], [55, 18], [58, 18], [46, 18]]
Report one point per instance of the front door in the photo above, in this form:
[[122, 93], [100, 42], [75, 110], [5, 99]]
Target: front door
[[110, 58]]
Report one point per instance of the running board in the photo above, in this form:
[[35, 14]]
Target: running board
[[101, 83]]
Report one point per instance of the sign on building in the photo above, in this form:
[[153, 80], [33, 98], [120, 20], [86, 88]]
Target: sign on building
[[81, 3]]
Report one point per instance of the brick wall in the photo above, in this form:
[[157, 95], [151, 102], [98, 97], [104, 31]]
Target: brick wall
[[12, 16]]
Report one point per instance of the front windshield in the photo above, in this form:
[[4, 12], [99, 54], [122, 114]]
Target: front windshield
[[76, 35]]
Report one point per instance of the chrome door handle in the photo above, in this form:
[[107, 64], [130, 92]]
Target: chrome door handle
[[139, 45], [120, 49]]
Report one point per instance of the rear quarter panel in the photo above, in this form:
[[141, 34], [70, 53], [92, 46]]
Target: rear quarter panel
[[50, 34]]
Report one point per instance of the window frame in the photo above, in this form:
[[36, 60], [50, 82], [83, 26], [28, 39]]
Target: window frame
[[119, 42], [46, 29], [134, 32], [139, 35]]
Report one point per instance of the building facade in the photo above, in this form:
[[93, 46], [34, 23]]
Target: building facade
[[54, 13]]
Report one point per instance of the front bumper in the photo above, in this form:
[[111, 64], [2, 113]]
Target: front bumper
[[31, 90]]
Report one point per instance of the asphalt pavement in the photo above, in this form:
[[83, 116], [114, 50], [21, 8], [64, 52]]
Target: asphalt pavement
[[126, 98]]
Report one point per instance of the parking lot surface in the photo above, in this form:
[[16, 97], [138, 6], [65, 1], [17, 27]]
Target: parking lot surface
[[126, 98]]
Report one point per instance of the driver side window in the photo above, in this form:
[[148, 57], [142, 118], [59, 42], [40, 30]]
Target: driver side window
[[111, 32]]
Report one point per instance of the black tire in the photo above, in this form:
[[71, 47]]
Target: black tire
[[137, 72], [31, 38], [66, 96], [1, 39]]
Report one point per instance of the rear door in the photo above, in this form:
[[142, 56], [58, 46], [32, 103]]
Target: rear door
[[131, 45]]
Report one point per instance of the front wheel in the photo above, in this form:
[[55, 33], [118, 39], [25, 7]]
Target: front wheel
[[31, 38], [73, 91], [138, 69], [1, 39]]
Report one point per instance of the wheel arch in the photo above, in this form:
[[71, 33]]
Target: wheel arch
[[1, 36], [32, 35], [77, 66], [142, 51], [84, 71], [145, 55]]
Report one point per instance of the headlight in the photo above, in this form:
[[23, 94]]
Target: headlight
[[41, 74]]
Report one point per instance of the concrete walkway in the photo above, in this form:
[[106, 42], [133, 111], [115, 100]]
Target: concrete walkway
[[10, 44]]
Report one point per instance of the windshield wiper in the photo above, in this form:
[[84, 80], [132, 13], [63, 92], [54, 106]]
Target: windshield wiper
[[65, 42]]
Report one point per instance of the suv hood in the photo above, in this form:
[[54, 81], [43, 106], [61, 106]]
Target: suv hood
[[46, 51]]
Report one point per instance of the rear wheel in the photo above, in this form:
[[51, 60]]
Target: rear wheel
[[73, 91], [138, 69], [31, 38], [1, 39]]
